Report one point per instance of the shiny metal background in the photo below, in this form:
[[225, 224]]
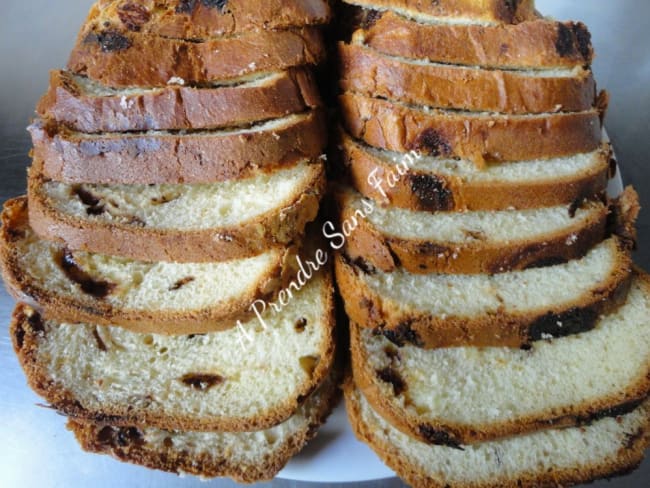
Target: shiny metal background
[[36, 35]]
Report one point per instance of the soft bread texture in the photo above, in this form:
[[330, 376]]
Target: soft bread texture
[[236, 380], [457, 11], [434, 184], [507, 309], [130, 59], [245, 456], [191, 19], [607, 448], [470, 242], [479, 137], [535, 44], [371, 73], [503, 391], [180, 223], [86, 106], [157, 157], [164, 298]]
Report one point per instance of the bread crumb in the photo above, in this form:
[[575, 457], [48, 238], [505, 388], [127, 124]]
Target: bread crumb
[[175, 80]]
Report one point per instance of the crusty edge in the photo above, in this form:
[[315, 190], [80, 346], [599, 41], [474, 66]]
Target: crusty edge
[[631, 456], [536, 44], [177, 107], [88, 310], [366, 71], [142, 158], [127, 448], [502, 328], [422, 256], [279, 226], [126, 59], [27, 331], [428, 192], [479, 138]]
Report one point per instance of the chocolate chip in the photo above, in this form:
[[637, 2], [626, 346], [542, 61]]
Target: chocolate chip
[[438, 437], [100, 343], [122, 437], [391, 376], [433, 143], [301, 323], [571, 322], [168, 442], [220, 5], [632, 438], [35, 322], [93, 203], [564, 43], [202, 382], [546, 262], [133, 16], [583, 38], [109, 41], [403, 334], [89, 285], [181, 283], [575, 205], [431, 192]]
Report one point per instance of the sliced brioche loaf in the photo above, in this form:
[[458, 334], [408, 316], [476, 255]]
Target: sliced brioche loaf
[[86, 106], [369, 72], [558, 457], [470, 242], [166, 298], [244, 456], [565, 381], [534, 44], [479, 137], [180, 223], [176, 157], [433, 184], [508, 309], [192, 19], [457, 11], [242, 379], [126, 59]]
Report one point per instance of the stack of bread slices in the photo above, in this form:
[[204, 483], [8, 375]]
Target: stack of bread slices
[[500, 333], [165, 306]]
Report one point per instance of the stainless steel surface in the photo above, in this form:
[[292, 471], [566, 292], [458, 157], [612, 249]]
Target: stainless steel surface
[[36, 35]]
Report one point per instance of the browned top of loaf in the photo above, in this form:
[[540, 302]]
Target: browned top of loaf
[[537, 43], [124, 59], [192, 19]]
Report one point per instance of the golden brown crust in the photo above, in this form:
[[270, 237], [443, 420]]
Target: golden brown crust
[[538, 43], [474, 256], [127, 59], [629, 458], [127, 444], [86, 308], [153, 158], [480, 138], [503, 328], [175, 107], [28, 330], [493, 11], [441, 431], [281, 226], [432, 192], [366, 71], [192, 19]]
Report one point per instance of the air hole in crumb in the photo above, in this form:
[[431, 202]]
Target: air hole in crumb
[[163, 350], [309, 363], [148, 340], [270, 437]]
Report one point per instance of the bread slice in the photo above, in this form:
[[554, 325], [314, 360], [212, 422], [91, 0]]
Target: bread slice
[[535, 44], [479, 137], [247, 378], [180, 223], [371, 73], [194, 19], [433, 184], [245, 456], [508, 309], [558, 382], [489, 242], [176, 157], [165, 298], [86, 106], [457, 11], [608, 447], [131, 59]]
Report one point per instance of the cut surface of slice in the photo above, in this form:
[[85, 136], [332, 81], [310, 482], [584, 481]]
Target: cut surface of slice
[[245, 456], [607, 448], [471, 242], [155, 157], [180, 223], [86, 106], [418, 82], [163, 297]]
